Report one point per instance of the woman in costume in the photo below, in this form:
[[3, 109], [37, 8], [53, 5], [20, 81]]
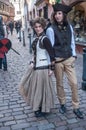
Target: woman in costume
[[36, 85]]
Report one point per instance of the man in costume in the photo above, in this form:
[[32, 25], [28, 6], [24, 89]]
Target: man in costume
[[62, 38]]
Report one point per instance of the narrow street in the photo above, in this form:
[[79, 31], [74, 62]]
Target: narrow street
[[15, 114]]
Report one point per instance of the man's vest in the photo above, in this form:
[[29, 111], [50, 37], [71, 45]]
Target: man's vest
[[62, 45]]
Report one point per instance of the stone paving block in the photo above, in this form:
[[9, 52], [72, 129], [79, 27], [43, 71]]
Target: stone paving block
[[31, 114], [6, 98], [46, 126], [20, 116], [19, 129], [73, 126], [60, 123], [17, 109], [3, 104], [6, 111], [28, 111], [15, 106], [23, 104], [9, 123], [70, 116], [44, 122], [21, 121], [5, 128], [34, 123], [32, 128], [21, 101], [71, 121], [40, 122], [1, 124], [83, 122], [51, 115], [55, 119], [63, 117], [62, 128], [4, 119], [8, 114], [51, 129], [13, 100], [27, 107], [79, 128], [1, 115], [20, 126], [17, 113], [31, 119], [3, 108]]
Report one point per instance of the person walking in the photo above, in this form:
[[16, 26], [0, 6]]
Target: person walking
[[36, 85], [18, 26], [11, 27], [61, 36]]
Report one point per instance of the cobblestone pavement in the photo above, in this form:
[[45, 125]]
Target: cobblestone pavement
[[15, 114]]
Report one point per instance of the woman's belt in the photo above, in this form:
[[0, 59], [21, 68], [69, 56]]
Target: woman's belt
[[41, 67], [52, 67]]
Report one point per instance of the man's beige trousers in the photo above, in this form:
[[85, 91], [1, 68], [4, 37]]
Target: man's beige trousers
[[66, 66]]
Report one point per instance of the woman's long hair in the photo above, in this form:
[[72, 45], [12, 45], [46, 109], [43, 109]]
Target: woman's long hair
[[65, 21]]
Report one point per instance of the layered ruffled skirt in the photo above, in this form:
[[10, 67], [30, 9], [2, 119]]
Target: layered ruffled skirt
[[37, 89]]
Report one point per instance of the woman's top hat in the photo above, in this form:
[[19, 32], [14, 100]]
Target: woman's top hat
[[61, 7]]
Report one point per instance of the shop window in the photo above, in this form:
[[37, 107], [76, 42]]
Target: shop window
[[1, 6], [45, 12], [40, 13], [79, 25], [18, 12], [33, 13]]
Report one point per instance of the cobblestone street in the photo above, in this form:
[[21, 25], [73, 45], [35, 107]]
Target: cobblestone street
[[15, 114]]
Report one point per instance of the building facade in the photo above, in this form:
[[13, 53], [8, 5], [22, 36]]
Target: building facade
[[43, 8], [16, 4], [7, 10], [77, 16]]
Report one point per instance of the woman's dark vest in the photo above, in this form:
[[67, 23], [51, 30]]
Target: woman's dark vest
[[62, 45]]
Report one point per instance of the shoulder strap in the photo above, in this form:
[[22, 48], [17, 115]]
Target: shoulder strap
[[41, 41], [54, 28], [43, 38]]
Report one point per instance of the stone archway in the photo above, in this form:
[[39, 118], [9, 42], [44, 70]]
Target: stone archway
[[72, 2], [75, 2]]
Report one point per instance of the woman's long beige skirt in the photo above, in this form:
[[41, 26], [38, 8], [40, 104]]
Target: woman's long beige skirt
[[37, 89]]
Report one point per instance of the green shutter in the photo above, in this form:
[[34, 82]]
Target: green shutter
[[58, 1]]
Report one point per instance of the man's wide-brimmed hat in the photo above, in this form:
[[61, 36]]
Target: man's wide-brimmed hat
[[61, 7]]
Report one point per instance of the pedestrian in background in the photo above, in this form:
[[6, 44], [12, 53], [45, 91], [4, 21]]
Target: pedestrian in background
[[3, 58], [36, 85], [33, 30], [11, 27], [61, 36], [18, 26]]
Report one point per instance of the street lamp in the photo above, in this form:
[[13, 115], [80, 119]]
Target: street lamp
[[52, 1]]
